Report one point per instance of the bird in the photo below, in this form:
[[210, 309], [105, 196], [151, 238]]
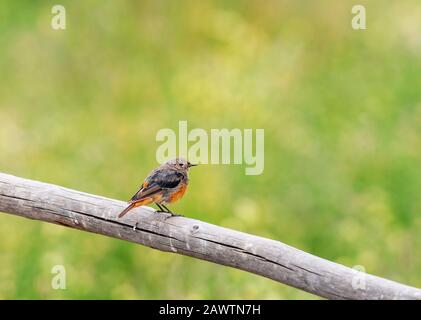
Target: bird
[[165, 184]]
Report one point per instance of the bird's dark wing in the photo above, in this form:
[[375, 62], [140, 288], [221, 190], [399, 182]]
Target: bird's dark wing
[[165, 178], [145, 192], [158, 180]]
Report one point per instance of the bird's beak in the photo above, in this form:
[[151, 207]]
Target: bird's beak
[[192, 165]]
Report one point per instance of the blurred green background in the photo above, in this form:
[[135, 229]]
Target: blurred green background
[[341, 111]]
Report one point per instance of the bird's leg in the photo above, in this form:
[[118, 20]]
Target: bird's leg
[[168, 210], [172, 213], [160, 208]]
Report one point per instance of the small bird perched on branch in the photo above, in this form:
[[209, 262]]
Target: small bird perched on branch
[[165, 184]]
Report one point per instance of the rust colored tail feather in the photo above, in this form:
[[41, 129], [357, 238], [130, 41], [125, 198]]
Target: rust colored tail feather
[[135, 204], [128, 208]]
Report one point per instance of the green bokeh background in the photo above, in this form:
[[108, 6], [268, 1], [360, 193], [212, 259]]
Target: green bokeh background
[[341, 111]]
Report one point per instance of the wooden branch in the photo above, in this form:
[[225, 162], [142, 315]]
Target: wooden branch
[[265, 257]]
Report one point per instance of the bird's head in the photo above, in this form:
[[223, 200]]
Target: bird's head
[[180, 164]]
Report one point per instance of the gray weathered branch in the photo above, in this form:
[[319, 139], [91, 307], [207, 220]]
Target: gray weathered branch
[[265, 257]]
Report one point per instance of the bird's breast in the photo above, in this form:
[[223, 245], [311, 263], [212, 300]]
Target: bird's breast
[[178, 194]]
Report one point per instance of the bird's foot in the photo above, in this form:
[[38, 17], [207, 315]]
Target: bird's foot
[[176, 214]]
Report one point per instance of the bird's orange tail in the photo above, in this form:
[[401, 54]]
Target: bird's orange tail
[[129, 207], [135, 204]]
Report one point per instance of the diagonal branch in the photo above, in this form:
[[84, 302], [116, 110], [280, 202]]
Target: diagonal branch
[[269, 258]]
